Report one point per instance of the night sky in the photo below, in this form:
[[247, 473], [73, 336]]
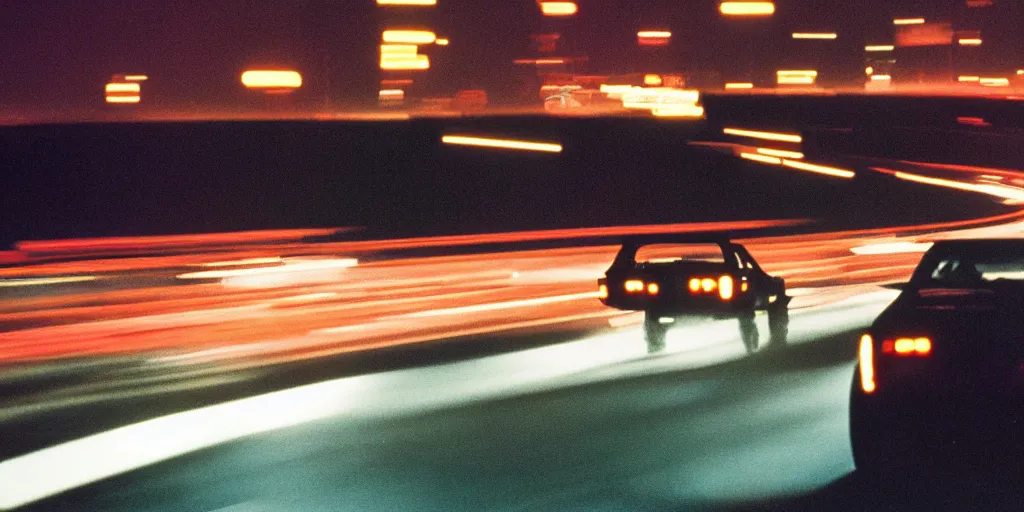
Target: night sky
[[59, 53]]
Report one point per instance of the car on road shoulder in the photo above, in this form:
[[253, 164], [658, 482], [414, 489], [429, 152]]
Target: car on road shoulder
[[673, 276], [940, 373]]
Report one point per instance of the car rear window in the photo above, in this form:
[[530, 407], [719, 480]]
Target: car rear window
[[969, 269], [667, 253]]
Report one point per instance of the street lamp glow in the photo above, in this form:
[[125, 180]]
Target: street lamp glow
[[879, 48], [747, 8], [654, 34], [815, 35], [908, 21], [970, 41]]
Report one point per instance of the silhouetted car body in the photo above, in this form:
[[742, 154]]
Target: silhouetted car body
[[940, 375], [725, 282]]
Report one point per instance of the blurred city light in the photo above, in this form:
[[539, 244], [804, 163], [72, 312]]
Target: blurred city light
[[136, 78], [881, 78], [402, 57], [653, 37], [780, 153], [908, 21], [271, 79], [754, 134], [869, 70], [690, 111], [406, 2], [820, 169], [747, 8], [995, 82], [971, 41], [123, 92], [558, 8], [391, 95], [651, 79], [1020, 72], [968, 78], [464, 140], [761, 158], [398, 50], [409, 36], [815, 35], [441, 41], [796, 77], [879, 48], [739, 85]]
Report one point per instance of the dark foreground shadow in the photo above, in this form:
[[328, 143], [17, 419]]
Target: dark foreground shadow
[[907, 490]]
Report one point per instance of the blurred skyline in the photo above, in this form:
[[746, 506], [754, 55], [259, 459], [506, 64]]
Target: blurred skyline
[[60, 53]]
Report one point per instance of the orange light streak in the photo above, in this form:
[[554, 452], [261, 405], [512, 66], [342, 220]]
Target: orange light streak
[[487, 142]]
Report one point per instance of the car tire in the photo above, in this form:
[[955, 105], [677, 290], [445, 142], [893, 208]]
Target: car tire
[[654, 332], [748, 331], [778, 319]]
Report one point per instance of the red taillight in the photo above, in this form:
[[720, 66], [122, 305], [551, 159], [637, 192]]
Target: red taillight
[[920, 346], [867, 364]]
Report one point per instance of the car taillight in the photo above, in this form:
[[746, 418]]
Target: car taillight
[[725, 287], [867, 364], [638, 286], [920, 346], [602, 292]]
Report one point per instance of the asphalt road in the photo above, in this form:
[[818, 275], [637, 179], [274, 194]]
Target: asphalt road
[[594, 424]]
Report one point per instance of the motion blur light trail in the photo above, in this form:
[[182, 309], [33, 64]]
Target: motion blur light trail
[[398, 301]]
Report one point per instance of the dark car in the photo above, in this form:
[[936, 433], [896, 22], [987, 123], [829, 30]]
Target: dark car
[[940, 376], [673, 276]]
